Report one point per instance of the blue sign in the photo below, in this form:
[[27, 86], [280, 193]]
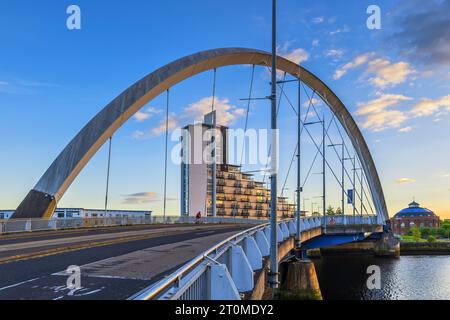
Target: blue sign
[[350, 196]]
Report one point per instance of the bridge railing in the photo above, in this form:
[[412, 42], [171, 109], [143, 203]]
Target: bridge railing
[[226, 270], [353, 220], [30, 225]]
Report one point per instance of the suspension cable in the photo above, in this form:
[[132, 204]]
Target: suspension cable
[[334, 147], [214, 164], [165, 157], [248, 111], [107, 175], [318, 148]]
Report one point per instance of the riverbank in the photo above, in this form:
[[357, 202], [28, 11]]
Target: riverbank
[[424, 248], [407, 248]]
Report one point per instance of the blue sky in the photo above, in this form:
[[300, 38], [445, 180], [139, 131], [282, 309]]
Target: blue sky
[[395, 81]]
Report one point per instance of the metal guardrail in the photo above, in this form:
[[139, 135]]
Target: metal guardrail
[[226, 270], [31, 225]]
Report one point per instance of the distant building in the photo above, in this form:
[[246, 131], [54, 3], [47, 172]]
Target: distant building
[[6, 214], [62, 213], [414, 216], [237, 193]]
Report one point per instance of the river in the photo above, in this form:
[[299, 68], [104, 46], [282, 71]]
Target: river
[[407, 278]]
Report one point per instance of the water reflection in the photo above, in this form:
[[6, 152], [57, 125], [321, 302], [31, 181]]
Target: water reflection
[[408, 278]]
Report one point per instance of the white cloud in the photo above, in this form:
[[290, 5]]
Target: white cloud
[[405, 129], [404, 181], [297, 56], [335, 53], [161, 128], [387, 74], [318, 19], [316, 102], [138, 134], [226, 113], [340, 30], [141, 116], [315, 42], [355, 63], [428, 107]]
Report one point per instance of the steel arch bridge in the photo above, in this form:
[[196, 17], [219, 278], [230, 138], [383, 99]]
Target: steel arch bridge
[[41, 201]]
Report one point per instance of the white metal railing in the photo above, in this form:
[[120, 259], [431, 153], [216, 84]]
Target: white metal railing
[[30, 225], [227, 269]]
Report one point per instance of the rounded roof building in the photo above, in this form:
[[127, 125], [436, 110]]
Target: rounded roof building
[[414, 211]]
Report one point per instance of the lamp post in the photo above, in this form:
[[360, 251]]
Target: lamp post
[[273, 274]]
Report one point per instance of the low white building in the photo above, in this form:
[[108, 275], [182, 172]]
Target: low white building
[[62, 213], [6, 214]]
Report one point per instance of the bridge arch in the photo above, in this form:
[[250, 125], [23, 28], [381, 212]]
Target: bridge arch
[[41, 201]]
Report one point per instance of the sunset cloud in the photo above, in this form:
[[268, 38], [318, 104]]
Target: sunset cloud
[[378, 116], [405, 181], [385, 74], [428, 107], [143, 198], [227, 114]]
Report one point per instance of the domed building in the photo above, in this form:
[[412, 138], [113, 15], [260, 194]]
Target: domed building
[[414, 216]]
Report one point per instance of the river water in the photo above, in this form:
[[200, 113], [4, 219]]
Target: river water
[[407, 278]]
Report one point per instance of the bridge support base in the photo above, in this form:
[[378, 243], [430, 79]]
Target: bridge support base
[[387, 246], [299, 281]]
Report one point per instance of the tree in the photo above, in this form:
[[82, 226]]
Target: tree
[[330, 211], [416, 233], [338, 211], [425, 232]]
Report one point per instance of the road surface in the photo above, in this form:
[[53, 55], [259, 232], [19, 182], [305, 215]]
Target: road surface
[[115, 262]]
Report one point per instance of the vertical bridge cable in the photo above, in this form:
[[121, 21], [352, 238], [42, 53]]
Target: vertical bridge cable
[[107, 176], [165, 156], [248, 111], [214, 165]]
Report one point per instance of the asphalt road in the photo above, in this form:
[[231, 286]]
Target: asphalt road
[[115, 263]]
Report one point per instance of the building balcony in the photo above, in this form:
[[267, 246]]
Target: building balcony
[[232, 176]]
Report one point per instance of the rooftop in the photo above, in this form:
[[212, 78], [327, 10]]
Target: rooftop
[[414, 210]]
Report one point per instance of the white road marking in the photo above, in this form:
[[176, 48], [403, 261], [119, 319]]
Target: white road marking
[[18, 284]]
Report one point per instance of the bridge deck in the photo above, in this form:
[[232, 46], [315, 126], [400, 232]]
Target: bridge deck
[[115, 263]]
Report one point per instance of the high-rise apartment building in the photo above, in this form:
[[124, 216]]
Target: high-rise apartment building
[[237, 193]]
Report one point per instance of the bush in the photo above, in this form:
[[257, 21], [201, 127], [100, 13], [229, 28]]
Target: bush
[[416, 233], [431, 239]]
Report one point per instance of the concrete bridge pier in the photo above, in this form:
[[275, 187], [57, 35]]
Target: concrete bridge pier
[[387, 246], [298, 280]]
